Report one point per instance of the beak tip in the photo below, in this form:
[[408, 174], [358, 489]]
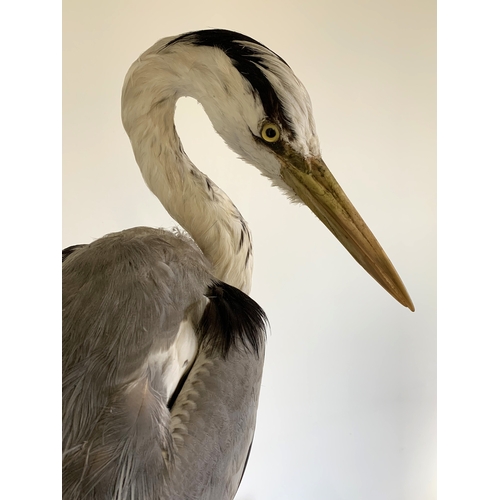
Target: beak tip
[[407, 302]]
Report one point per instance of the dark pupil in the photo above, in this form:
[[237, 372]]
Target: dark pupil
[[270, 132]]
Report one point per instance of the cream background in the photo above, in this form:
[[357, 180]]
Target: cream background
[[347, 406]]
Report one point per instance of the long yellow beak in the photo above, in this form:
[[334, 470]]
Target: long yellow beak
[[318, 189]]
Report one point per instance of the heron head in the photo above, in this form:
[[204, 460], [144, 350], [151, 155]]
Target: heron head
[[264, 113], [266, 116]]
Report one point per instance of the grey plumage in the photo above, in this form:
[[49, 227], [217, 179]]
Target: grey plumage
[[120, 440]]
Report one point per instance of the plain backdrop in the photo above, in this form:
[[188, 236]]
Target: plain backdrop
[[348, 399]]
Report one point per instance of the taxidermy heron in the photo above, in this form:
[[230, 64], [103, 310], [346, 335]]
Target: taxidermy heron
[[162, 347]]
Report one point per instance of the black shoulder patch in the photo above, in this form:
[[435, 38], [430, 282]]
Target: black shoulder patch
[[231, 320], [69, 250], [248, 62]]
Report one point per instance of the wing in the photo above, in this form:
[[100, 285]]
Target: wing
[[161, 371], [213, 418]]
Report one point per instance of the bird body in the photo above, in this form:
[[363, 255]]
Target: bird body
[[162, 347], [125, 426]]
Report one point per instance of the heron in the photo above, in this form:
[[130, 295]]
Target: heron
[[163, 348]]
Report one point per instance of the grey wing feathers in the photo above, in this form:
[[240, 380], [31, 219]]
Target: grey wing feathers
[[124, 297]]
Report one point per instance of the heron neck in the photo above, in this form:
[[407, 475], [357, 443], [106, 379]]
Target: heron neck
[[191, 198]]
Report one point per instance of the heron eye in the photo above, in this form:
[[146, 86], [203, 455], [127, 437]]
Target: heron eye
[[270, 132]]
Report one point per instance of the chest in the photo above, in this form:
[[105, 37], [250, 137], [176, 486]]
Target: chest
[[169, 366]]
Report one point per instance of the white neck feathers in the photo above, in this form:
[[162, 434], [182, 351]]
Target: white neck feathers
[[150, 92]]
